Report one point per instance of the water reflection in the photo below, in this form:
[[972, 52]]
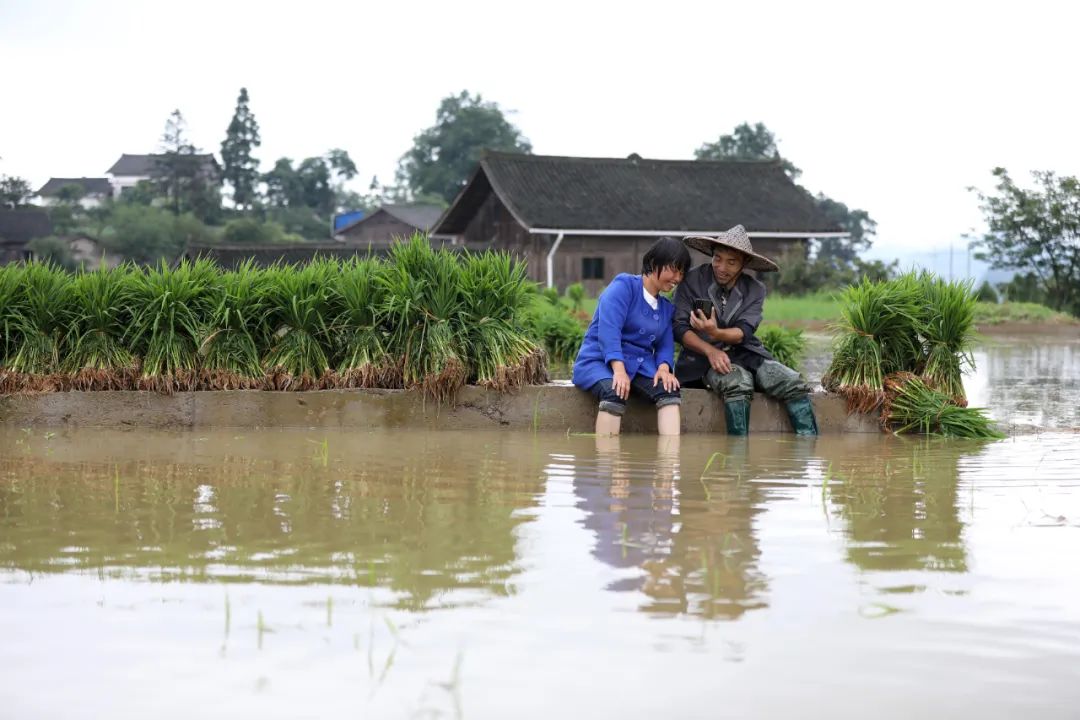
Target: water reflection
[[296, 572], [280, 508], [900, 506], [1028, 381], [686, 538]]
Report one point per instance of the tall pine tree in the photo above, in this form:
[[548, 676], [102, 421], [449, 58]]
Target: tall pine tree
[[187, 180], [241, 169]]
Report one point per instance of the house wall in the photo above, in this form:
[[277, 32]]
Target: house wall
[[377, 231], [13, 252], [87, 202], [494, 227], [119, 182]]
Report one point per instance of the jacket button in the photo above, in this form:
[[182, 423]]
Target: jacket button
[[652, 337], [655, 317]]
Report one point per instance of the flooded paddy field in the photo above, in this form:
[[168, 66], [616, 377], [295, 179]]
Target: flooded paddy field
[[286, 574]]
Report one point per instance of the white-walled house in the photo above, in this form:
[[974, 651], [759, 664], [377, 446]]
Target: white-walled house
[[94, 191], [125, 173], [130, 170]]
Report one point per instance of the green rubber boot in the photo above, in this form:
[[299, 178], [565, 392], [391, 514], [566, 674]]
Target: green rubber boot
[[737, 417], [801, 413]]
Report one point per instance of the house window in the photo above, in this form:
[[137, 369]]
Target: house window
[[592, 268]]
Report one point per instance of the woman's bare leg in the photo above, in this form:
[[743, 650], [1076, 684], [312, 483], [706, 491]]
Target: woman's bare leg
[[607, 424], [668, 420]]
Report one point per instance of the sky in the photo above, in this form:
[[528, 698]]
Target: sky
[[895, 108]]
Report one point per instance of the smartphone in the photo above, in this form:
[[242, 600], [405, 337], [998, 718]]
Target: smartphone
[[705, 306]]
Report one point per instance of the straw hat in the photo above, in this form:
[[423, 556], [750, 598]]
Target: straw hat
[[736, 239]]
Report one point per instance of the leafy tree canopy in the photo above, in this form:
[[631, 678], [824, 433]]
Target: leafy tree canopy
[[747, 142], [1036, 231], [443, 155], [15, 192], [836, 260]]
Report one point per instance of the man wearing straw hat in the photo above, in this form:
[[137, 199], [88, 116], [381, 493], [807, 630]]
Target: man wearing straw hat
[[718, 308]]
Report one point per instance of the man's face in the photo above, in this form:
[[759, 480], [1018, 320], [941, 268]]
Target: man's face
[[727, 264]]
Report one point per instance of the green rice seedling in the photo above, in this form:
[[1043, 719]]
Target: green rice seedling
[[40, 312], [497, 301], [912, 406], [554, 328], [948, 330], [878, 334], [10, 337], [298, 306], [788, 346], [170, 307], [357, 305], [95, 354], [231, 343], [575, 293], [423, 309]]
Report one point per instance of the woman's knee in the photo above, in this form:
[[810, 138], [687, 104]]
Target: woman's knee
[[610, 402]]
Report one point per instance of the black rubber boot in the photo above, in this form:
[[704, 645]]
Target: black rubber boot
[[801, 413], [737, 417]]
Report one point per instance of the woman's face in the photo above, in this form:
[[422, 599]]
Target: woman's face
[[667, 278]]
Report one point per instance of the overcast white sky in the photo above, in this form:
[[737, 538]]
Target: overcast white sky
[[895, 108]]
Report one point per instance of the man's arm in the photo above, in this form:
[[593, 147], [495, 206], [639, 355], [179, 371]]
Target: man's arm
[[718, 359], [684, 301], [743, 325]]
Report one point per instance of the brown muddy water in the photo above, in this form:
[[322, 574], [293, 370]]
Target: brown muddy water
[[290, 574]]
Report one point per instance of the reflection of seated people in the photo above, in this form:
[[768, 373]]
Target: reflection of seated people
[[696, 554], [631, 515], [716, 546]]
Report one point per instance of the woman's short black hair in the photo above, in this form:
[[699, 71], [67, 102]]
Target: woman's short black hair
[[666, 252]]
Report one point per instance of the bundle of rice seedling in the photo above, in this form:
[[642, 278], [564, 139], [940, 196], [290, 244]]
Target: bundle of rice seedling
[[497, 297], [357, 299], [911, 405], [787, 345], [948, 329], [555, 329], [878, 334], [40, 312], [170, 307], [423, 310], [96, 357], [10, 337], [231, 342], [298, 306]]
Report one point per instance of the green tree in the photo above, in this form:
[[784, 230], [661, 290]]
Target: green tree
[[248, 230], [1036, 231], [835, 259], [183, 178], [443, 155], [15, 192], [53, 249], [67, 213], [240, 168], [317, 183], [747, 142], [857, 223], [148, 234]]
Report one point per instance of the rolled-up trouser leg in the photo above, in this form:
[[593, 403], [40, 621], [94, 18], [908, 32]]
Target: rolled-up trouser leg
[[737, 387], [781, 382]]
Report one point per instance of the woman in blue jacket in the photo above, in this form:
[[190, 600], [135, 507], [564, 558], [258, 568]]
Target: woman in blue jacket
[[629, 343]]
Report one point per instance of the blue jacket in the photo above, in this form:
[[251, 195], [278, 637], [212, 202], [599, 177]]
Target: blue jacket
[[625, 328]]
